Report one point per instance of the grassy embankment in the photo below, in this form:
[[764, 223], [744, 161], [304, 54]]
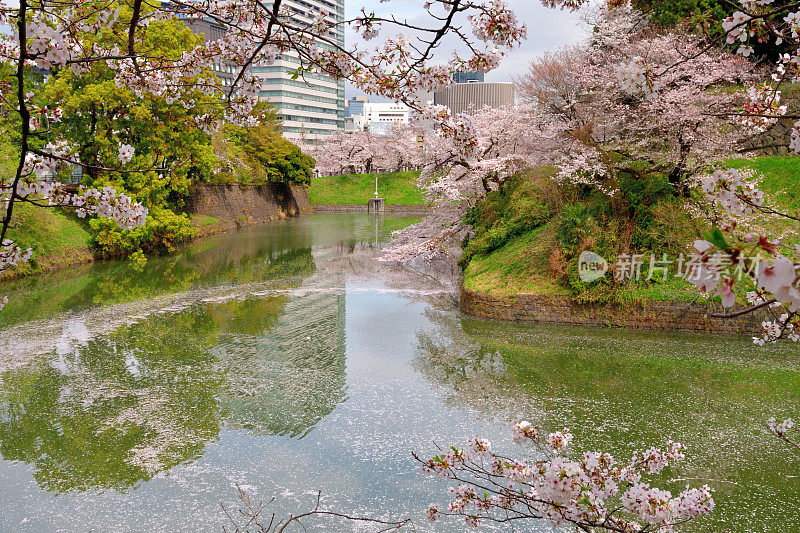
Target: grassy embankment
[[527, 242], [59, 239], [56, 238], [398, 188]]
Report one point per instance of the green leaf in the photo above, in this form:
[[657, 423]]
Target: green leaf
[[716, 238]]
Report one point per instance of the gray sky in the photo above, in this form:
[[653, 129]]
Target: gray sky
[[548, 29]]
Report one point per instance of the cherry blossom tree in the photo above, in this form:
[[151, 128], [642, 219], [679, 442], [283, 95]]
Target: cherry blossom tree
[[347, 153], [589, 111], [403, 148], [46, 36], [592, 493], [365, 151], [642, 96], [763, 261], [504, 141]]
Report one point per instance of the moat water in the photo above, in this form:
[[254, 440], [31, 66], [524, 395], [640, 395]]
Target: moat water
[[284, 359]]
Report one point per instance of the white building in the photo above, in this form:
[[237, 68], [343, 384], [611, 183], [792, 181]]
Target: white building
[[378, 117], [311, 105], [386, 113]]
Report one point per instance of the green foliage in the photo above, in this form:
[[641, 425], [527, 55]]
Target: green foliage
[[99, 116], [162, 232], [779, 177], [669, 13], [396, 187], [522, 265], [704, 17], [259, 155], [529, 235], [520, 207], [56, 237]]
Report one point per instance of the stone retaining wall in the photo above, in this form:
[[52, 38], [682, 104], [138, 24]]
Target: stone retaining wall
[[774, 141], [415, 209], [237, 205], [649, 315]]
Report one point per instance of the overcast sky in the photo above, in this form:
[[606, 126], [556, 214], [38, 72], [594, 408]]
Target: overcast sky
[[548, 29]]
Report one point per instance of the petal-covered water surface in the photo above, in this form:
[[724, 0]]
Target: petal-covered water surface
[[284, 359]]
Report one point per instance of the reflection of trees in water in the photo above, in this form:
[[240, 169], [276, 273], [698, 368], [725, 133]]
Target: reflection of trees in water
[[473, 374], [21, 341], [109, 408], [620, 390], [246, 259], [112, 405], [113, 394], [112, 411]]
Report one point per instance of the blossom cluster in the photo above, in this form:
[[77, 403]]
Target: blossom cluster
[[776, 280], [762, 108], [497, 23], [733, 190], [634, 77], [593, 491]]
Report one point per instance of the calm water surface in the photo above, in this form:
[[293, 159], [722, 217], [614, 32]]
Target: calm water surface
[[284, 359]]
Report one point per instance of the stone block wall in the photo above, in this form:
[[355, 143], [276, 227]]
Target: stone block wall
[[674, 316], [774, 141], [248, 205]]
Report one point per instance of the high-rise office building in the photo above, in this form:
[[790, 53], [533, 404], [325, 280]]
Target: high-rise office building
[[311, 105]]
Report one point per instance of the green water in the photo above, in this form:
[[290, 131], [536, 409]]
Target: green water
[[286, 360]]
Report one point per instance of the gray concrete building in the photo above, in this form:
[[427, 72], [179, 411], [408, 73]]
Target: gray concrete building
[[470, 97], [211, 31]]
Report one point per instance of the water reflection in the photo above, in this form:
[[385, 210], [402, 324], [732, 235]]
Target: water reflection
[[111, 411], [286, 378], [245, 331], [622, 390], [286, 359]]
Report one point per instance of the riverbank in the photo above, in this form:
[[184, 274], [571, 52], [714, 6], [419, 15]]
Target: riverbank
[[59, 240], [649, 315], [524, 259], [410, 209]]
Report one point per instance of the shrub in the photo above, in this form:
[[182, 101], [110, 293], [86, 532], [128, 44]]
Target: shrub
[[162, 232]]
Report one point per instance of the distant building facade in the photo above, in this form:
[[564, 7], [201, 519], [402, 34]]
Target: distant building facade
[[376, 117], [469, 77], [386, 113], [472, 96], [354, 106], [313, 105], [211, 31]]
